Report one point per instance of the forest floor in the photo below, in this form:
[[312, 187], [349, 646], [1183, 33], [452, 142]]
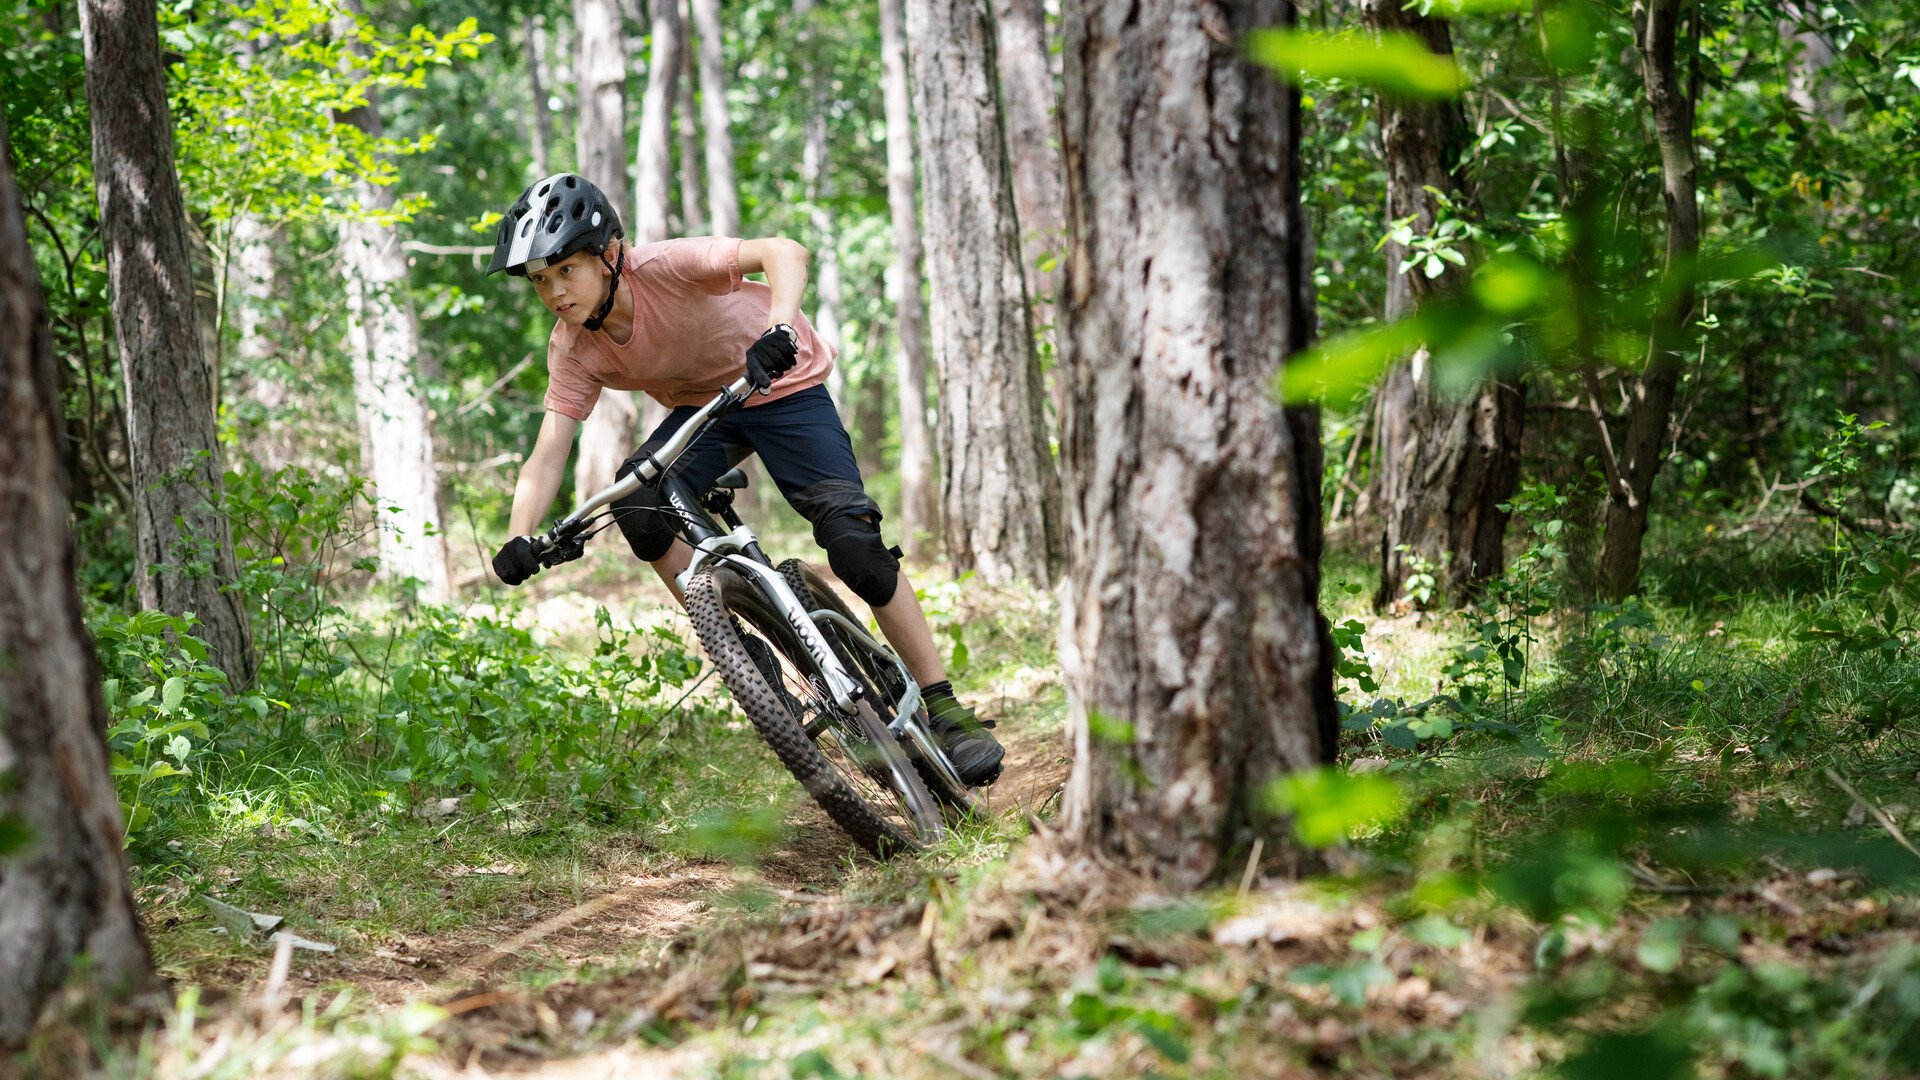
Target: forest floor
[[1527, 910]]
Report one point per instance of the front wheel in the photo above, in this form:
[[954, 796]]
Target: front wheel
[[882, 679], [851, 765]]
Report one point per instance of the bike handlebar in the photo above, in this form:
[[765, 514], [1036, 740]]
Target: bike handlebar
[[566, 540]]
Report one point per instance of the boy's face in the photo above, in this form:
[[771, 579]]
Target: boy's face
[[573, 287]]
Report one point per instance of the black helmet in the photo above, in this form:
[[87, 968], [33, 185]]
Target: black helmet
[[554, 218]]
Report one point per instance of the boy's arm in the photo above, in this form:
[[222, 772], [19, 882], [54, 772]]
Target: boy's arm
[[541, 475], [785, 264]]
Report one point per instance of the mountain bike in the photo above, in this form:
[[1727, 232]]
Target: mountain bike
[[839, 709]]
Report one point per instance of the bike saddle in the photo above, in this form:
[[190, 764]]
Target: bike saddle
[[733, 479]]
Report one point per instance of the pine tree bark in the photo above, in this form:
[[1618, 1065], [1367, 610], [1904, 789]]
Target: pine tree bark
[[1196, 662], [693, 200], [384, 335], [1026, 85], [539, 120], [185, 552], [1447, 461], [815, 173], [251, 278], [607, 436], [64, 892], [1000, 492], [723, 195], [653, 162], [1671, 97], [919, 505]]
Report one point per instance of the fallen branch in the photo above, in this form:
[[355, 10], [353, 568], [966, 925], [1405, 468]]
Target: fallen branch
[[273, 992], [1870, 527], [445, 249], [553, 925], [497, 384], [1879, 815]]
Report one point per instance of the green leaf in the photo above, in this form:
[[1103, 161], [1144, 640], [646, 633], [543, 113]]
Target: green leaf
[[171, 693], [1337, 372], [1660, 945], [1350, 983], [1396, 62], [1438, 932], [1109, 730], [1329, 805], [1161, 1031], [14, 835], [1649, 1055]]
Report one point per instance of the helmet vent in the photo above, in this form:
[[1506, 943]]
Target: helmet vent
[[553, 223], [526, 225], [579, 209], [573, 181], [543, 189]]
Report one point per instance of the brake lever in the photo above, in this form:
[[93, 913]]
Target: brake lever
[[562, 544]]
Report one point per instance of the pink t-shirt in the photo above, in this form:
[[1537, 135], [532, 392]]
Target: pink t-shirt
[[693, 319]]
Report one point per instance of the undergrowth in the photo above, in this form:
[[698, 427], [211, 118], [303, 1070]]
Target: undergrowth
[[1568, 837]]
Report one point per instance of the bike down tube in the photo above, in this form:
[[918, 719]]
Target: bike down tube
[[660, 460], [727, 549]]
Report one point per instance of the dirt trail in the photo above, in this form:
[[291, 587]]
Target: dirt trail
[[502, 1027]]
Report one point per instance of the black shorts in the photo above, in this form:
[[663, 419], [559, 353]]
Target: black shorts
[[801, 443]]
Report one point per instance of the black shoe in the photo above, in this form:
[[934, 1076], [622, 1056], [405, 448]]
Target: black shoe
[[975, 754]]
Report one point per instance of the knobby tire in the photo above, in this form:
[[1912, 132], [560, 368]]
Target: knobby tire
[[719, 600], [880, 678]]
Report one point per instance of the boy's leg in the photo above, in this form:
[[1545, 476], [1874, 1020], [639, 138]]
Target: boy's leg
[[807, 452], [906, 629], [649, 532]]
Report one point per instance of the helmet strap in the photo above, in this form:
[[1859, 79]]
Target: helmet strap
[[613, 267]]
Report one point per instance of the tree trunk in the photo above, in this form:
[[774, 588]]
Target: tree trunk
[[815, 171], [693, 201], [1671, 95], [185, 549], [1447, 460], [1026, 85], [1196, 664], [64, 892], [919, 507], [539, 120], [723, 197], [653, 163], [268, 432], [607, 437], [384, 337], [1000, 493]]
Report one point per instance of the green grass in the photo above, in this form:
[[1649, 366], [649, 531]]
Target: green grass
[[1645, 858]]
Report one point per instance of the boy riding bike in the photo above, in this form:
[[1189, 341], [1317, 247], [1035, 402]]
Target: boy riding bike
[[680, 329]]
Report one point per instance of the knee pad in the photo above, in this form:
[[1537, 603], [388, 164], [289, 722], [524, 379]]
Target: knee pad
[[859, 557], [648, 531]]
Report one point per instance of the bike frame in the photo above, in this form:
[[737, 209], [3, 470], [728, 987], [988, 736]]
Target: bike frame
[[739, 549]]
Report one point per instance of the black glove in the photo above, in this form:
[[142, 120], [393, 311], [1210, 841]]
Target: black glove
[[516, 562], [772, 356]]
